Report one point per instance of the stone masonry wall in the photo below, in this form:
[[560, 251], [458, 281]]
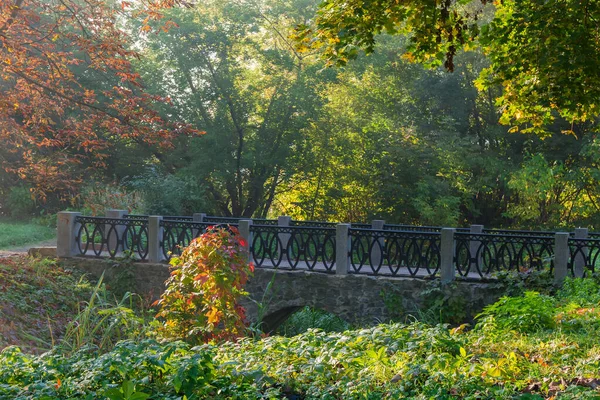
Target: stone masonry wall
[[355, 298]]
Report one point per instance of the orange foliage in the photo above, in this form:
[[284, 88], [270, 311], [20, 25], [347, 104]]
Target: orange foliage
[[54, 127]]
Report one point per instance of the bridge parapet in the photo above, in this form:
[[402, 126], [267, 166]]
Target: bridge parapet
[[380, 249]]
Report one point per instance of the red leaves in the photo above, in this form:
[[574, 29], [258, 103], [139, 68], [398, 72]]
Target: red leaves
[[45, 104], [201, 300]]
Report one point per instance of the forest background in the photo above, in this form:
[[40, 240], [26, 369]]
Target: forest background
[[274, 130]]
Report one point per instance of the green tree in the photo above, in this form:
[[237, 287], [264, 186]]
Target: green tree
[[544, 54], [232, 72]]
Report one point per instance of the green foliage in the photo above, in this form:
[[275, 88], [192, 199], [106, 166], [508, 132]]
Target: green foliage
[[97, 198], [389, 361], [443, 304], [200, 303], [583, 292], [516, 283], [165, 194], [38, 298], [102, 321], [308, 318], [543, 72], [528, 313], [19, 203]]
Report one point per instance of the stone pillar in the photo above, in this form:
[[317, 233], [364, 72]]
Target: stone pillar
[[342, 249], [582, 255], [284, 238], [244, 228], [447, 269], [155, 237], [112, 237], [378, 245], [66, 232], [561, 257], [474, 246], [198, 218]]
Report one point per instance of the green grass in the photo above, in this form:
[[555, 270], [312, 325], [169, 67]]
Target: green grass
[[16, 234]]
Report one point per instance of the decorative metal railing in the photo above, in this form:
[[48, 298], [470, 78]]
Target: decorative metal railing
[[417, 228], [396, 253], [518, 233], [166, 217], [265, 221], [179, 234], [584, 255], [479, 255], [361, 226], [222, 220], [313, 224], [395, 250], [101, 237], [308, 248]]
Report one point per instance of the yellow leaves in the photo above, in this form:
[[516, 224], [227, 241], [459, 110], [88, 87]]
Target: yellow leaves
[[55, 37], [213, 315]]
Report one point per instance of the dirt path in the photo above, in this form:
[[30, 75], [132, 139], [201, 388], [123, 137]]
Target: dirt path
[[20, 250]]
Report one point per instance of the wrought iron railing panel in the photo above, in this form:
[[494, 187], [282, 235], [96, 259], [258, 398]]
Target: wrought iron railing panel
[[179, 234], [101, 237], [361, 226], [586, 253], [396, 253], [411, 228], [479, 255], [304, 248], [222, 220], [518, 233], [265, 221], [313, 224], [166, 217]]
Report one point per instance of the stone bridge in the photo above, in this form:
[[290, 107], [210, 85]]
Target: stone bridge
[[360, 299]]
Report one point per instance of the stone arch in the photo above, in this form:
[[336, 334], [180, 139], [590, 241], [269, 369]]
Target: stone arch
[[273, 320]]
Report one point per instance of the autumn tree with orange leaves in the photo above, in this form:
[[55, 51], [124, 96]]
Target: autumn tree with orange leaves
[[68, 93]]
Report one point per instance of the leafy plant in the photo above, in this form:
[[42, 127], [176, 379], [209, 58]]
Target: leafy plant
[[201, 301], [443, 303], [582, 291], [102, 322], [528, 313], [95, 199], [309, 318]]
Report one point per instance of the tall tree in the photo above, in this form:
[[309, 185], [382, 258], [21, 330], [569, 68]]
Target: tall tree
[[233, 73], [55, 127]]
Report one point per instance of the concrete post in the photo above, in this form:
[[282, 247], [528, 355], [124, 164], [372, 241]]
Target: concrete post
[[66, 231], [474, 246], [378, 244], [244, 228], [284, 221], [561, 257], [155, 237], [342, 249], [198, 218], [447, 269], [580, 257], [112, 238]]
